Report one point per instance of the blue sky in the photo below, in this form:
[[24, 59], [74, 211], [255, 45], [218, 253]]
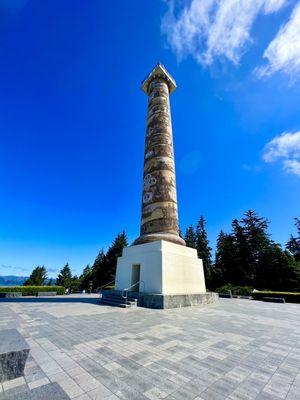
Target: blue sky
[[72, 119]]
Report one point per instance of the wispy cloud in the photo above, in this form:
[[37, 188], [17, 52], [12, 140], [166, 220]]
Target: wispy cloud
[[285, 149], [292, 166], [12, 269], [213, 29], [283, 53]]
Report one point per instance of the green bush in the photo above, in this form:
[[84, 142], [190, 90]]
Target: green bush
[[32, 290], [289, 297], [237, 290]]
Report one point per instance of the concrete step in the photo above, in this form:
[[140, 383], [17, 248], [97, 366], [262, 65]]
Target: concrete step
[[129, 295], [109, 303], [116, 299]]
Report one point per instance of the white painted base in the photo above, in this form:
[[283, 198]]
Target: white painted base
[[165, 268]]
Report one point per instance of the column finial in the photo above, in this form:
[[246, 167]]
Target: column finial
[[159, 71]]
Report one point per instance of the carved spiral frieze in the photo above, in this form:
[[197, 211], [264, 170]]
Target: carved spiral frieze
[[159, 205]]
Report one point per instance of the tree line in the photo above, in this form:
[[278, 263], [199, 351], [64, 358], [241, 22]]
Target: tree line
[[246, 257], [92, 277]]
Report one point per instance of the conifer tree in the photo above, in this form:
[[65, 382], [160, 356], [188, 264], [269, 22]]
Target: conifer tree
[[227, 268], [75, 284], [257, 240], [203, 248], [104, 267], [239, 271], [248, 257], [293, 245], [85, 278], [190, 237], [64, 278], [38, 277], [115, 251], [99, 270], [277, 270]]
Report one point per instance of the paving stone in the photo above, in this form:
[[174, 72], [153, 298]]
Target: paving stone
[[101, 392], [155, 394], [39, 382], [238, 349], [13, 383], [210, 394], [48, 392]]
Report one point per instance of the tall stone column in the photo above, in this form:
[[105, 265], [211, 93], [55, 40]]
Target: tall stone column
[[159, 198]]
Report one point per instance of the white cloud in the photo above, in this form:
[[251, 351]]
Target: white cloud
[[286, 149], [283, 53], [292, 166], [273, 5], [213, 29]]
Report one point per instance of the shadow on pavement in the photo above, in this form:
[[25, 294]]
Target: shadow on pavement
[[52, 299]]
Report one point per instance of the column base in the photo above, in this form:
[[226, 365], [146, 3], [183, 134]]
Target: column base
[[153, 237], [161, 268], [167, 301]]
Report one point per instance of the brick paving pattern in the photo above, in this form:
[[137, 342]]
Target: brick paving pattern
[[236, 350]]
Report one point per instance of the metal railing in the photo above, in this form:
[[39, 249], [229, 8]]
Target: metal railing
[[100, 288], [126, 290]]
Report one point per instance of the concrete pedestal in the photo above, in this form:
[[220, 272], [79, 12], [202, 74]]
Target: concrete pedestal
[[169, 275]]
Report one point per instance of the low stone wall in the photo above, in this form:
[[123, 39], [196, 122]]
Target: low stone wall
[[42, 294], [6, 295]]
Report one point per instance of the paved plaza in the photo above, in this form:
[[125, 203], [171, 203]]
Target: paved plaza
[[237, 349]]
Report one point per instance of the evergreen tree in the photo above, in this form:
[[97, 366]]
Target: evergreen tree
[[99, 270], [249, 257], [239, 272], [85, 278], [293, 245], [64, 278], [257, 241], [115, 251], [277, 270], [75, 284], [203, 248], [227, 268], [38, 277], [190, 237], [104, 267]]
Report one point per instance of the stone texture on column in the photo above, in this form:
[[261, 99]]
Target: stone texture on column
[[159, 199]]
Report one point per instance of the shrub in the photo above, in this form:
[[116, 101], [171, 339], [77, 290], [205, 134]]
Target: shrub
[[289, 297], [32, 290], [237, 290]]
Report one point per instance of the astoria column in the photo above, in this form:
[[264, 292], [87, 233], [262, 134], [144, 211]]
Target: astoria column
[[159, 199]]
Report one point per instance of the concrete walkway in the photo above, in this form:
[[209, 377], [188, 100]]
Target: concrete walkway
[[238, 349]]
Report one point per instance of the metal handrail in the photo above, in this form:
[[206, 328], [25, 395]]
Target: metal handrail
[[130, 287], [103, 286]]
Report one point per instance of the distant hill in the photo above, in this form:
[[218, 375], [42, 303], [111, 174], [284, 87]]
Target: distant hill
[[12, 280]]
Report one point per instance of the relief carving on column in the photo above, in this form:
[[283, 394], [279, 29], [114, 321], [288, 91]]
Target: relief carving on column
[[159, 198]]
